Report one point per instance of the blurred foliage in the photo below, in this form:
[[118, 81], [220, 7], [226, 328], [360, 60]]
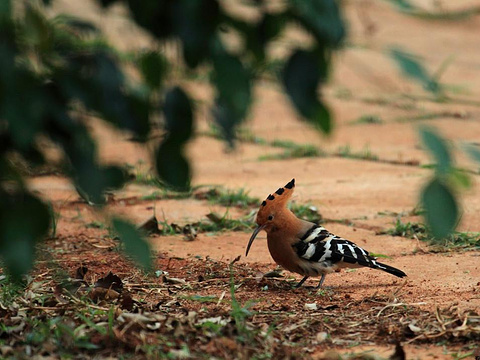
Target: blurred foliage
[[58, 71], [439, 196]]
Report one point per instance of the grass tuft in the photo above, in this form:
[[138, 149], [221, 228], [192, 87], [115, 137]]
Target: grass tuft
[[368, 119], [365, 154], [307, 212], [237, 198], [460, 240]]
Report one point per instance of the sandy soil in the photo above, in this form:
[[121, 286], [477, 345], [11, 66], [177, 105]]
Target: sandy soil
[[358, 191]]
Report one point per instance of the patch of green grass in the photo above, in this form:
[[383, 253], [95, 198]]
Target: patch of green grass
[[219, 223], [343, 94], [293, 152], [368, 119], [213, 224], [307, 212], [464, 240], [292, 149], [9, 290], [430, 116], [165, 193], [365, 154], [408, 229], [238, 198], [240, 313]]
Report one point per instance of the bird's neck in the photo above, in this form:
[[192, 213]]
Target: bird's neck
[[288, 224]]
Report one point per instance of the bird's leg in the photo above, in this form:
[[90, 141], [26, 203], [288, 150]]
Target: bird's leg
[[321, 282], [301, 281]]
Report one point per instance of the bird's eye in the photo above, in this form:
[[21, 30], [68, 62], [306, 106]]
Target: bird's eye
[[270, 217]]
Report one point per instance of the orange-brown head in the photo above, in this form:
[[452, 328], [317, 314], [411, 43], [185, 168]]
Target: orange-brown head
[[272, 210]]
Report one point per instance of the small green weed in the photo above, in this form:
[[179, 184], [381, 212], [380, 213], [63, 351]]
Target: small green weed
[[240, 313], [307, 212], [300, 151], [365, 154], [224, 223], [9, 290], [368, 119], [407, 229], [238, 198], [461, 240]]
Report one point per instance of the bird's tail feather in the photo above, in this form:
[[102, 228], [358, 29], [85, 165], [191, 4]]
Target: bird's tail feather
[[389, 269]]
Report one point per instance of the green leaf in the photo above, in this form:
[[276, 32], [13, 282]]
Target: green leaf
[[259, 35], [178, 115], [438, 147], [441, 209], [106, 3], [233, 86], [135, 245], [322, 19], [24, 220], [156, 16], [460, 178], [153, 66], [5, 9], [302, 75], [195, 23], [411, 67], [473, 152], [92, 181], [172, 166]]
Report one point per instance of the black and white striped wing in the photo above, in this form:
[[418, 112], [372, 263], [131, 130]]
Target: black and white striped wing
[[319, 245]]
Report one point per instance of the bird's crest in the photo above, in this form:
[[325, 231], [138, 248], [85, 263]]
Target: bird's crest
[[279, 198]]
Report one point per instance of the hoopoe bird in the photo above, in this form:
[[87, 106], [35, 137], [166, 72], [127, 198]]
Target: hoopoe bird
[[306, 248]]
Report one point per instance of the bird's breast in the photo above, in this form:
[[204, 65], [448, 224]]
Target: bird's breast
[[284, 255]]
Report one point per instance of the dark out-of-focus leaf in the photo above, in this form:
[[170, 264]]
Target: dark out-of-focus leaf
[[92, 181], [24, 93], [47, 2], [178, 115], [258, 36], [153, 66], [441, 209], [24, 220], [156, 16], [473, 152], [438, 148], [233, 84], [411, 66], [172, 166], [106, 3], [301, 77], [5, 9], [322, 19], [195, 23], [135, 245]]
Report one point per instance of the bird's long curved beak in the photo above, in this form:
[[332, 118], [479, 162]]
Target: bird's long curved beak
[[254, 235]]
